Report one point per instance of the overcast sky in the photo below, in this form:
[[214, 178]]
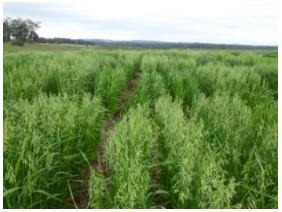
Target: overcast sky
[[209, 21]]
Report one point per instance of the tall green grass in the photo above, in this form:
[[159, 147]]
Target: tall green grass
[[43, 141], [129, 158], [192, 173], [200, 131], [28, 75]]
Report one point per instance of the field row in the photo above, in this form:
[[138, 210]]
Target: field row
[[200, 131], [189, 143], [54, 111]]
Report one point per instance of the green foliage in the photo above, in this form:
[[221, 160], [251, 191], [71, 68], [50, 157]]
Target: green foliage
[[151, 86], [110, 84], [178, 150], [200, 132], [227, 124], [27, 75], [20, 29], [237, 134], [41, 147], [188, 162], [205, 58], [129, 155], [97, 190]]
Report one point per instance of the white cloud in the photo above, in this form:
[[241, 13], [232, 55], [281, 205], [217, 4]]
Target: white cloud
[[217, 21]]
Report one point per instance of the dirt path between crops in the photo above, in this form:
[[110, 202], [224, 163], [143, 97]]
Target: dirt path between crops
[[110, 124], [80, 197]]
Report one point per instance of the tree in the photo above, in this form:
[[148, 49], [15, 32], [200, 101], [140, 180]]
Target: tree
[[33, 36], [6, 29], [32, 26], [21, 30]]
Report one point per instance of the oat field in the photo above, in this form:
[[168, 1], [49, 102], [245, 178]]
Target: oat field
[[110, 128]]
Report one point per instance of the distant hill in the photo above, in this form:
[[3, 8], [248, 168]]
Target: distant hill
[[161, 44], [154, 44]]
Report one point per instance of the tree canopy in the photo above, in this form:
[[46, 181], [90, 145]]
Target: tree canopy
[[20, 30]]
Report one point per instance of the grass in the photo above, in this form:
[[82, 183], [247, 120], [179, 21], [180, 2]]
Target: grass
[[31, 47], [200, 131], [41, 147], [129, 157]]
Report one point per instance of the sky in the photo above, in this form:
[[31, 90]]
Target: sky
[[253, 22]]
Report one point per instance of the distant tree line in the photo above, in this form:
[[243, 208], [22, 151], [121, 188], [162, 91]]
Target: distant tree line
[[64, 40], [155, 44], [152, 44], [181, 45], [20, 30]]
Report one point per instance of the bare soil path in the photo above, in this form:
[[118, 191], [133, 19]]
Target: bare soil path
[[80, 197]]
